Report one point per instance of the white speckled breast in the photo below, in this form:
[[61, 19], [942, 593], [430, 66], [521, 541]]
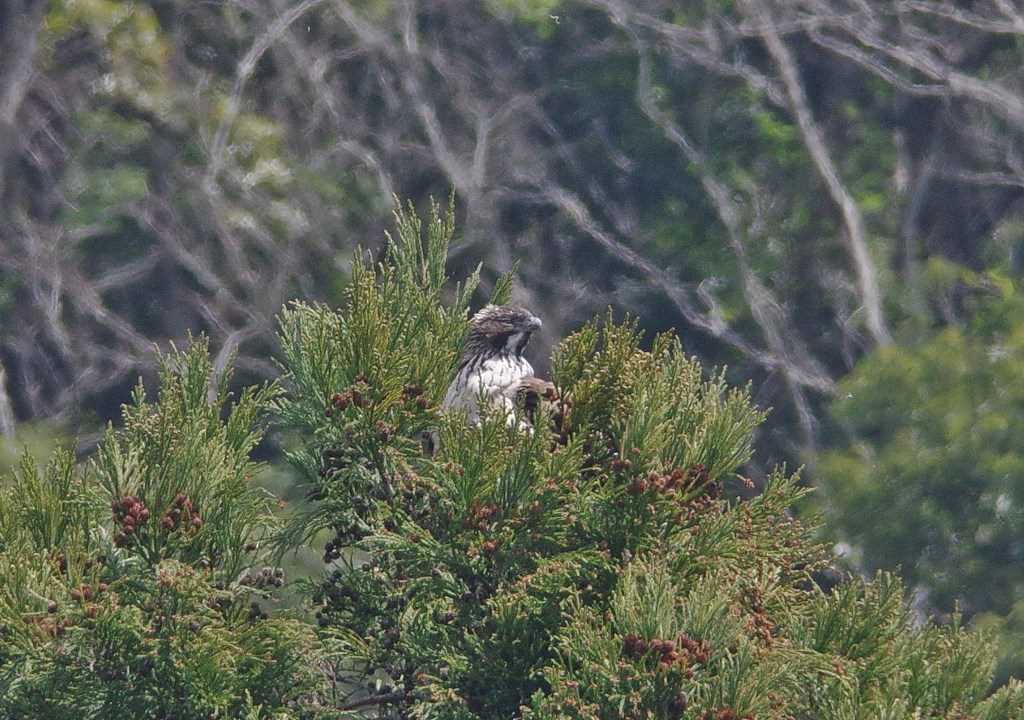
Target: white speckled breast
[[493, 378]]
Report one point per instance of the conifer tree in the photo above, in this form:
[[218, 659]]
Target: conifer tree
[[130, 586], [601, 566]]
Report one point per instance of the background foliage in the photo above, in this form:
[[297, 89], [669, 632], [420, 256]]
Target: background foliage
[[821, 195], [931, 477]]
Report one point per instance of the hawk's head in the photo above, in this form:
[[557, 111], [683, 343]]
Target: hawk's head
[[500, 329]]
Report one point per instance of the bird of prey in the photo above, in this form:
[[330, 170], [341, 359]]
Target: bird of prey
[[493, 369]]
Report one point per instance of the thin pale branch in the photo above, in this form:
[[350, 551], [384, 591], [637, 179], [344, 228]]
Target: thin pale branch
[[855, 236]]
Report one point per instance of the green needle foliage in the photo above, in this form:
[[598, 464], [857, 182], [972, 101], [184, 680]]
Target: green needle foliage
[[596, 567], [121, 591], [599, 566]]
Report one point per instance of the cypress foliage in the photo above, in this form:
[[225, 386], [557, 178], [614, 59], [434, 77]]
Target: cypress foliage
[[121, 586], [601, 566]]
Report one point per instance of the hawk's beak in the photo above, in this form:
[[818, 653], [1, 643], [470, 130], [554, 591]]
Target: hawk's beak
[[535, 323]]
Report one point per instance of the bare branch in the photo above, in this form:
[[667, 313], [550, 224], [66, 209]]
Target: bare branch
[[20, 24], [792, 359], [703, 47], [864, 266], [126, 274], [245, 69], [968, 18], [577, 211], [6, 409], [864, 29]]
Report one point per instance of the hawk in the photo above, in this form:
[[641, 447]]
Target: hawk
[[493, 368]]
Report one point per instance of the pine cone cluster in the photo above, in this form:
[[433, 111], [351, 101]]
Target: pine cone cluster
[[384, 431], [52, 627], [85, 592], [701, 504], [332, 550], [621, 465], [263, 578], [354, 395], [182, 515], [684, 650], [481, 514], [762, 628], [759, 624], [414, 394], [676, 480], [130, 513]]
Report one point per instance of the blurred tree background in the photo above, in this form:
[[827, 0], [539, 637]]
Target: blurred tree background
[[825, 195]]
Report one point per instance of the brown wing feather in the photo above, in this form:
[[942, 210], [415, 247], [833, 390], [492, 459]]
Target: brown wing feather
[[530, 392]]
